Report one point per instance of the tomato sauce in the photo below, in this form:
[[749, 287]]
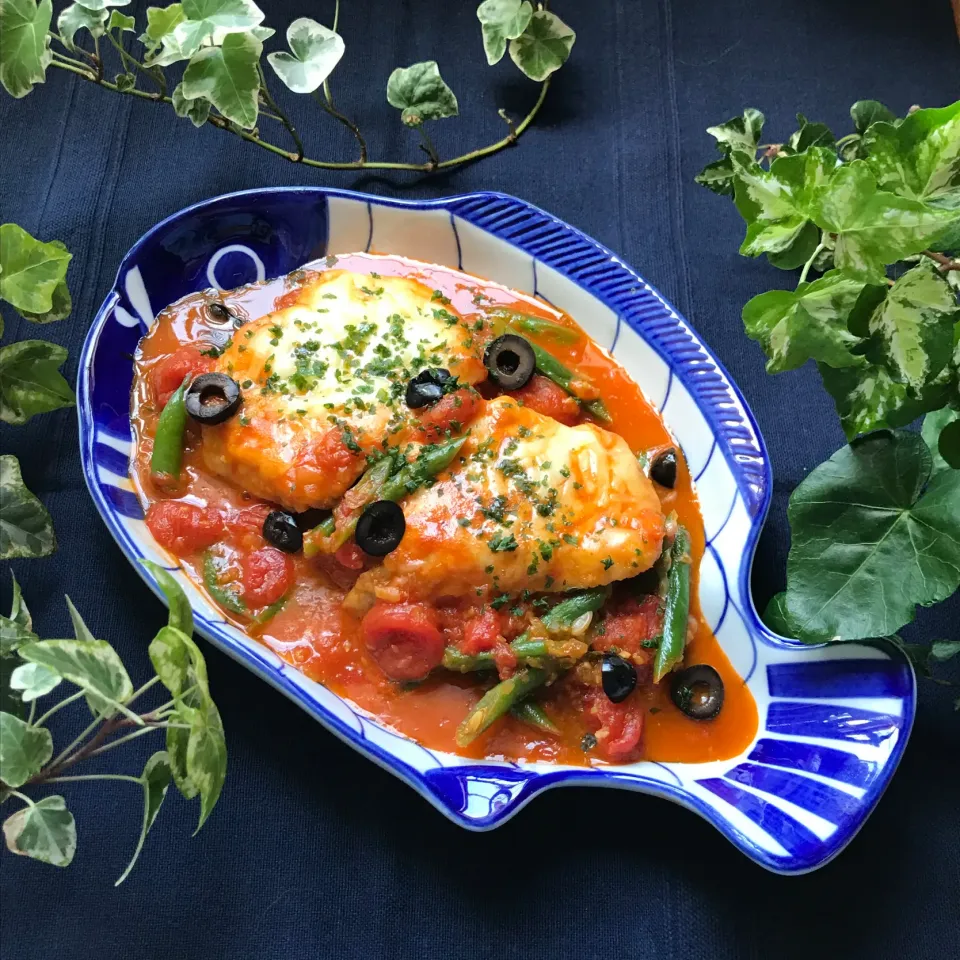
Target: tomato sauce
[[313, 633]]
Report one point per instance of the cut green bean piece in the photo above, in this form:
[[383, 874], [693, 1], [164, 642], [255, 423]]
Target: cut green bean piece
[[226, 599], [533, 715], [564, 377], [574, 607], [167, 456], [676, 608], [431, 460], [497, 701], [268, 613], [538, 326]]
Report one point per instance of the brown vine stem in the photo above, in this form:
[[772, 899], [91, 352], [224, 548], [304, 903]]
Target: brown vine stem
[[515, 133], [284, 119], [946, 263]]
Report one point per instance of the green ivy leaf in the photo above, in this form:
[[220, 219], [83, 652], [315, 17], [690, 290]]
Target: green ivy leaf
[[77, 17], [125, 81], [230, 15], [24, 45], [207, 757], [18, 627], [102, 4], [227, 77], [316, 51], [196, 110], [718, 177], [155, 780], [502, 20], [919, 158], [543, 48], [23, 750], [874, 227], [935, 425], [776, 617], [32, 270], [808, 323], [865, 113], [121, 22], [181, 43], [810, 135], [419, 92], [93, 665], [739, 133], [871, 539], [800, 250], [44, 831], [181, 616], [912, 329], [60, 307], [943, 650], [30, 382], [34, 681], [26, 529], [161, 21]]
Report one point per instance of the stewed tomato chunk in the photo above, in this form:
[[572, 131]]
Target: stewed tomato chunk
[[451, 413], [168, 374], [404, 639], [546, 397], [267, 576], [482, 632], [184, 528]]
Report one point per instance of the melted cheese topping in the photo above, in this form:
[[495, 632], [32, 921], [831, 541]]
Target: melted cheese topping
[[531, 504], [323, 381]]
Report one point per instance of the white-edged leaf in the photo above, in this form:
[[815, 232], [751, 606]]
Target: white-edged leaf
[[196, 110], [24, 45], [34, 681], [181, 615], [420, 93], [30, 382], [77, 17], [160, 22], [120, 21], [227, 77], [225, 14], [181, 43], [155, 780], [502, 20], [316, 50], [23, 750], [207, 757], [103, 4], [44, 831], [26, 529], [543, 47], [31, 269], [19, 613]]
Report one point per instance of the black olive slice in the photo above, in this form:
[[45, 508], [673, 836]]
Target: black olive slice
[[698, 691], [663, 470], [619, 677], [380, 528], [427, 387], [219, 313], [281, 531], [510, 361], [213, 398], [310, 518]]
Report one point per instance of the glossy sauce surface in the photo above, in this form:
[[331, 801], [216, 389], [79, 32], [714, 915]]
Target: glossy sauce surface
[[314, 633]]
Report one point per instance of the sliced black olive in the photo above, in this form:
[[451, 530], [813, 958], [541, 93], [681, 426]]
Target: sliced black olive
[[310, 518], [380, 528], [427, 387], [618, 676], [219, 313], [280, 529], [213, 398], [698, 691], [663, 470], [510, 360]]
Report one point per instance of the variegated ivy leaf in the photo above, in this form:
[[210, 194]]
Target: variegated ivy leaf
[[19, 614], [920, 157], [502, 20], [161, 21], [420, 93], [23, 750], [739, 133], [543, 48], [31, 270], [865, 113], [155, 780], [810, 322], [912, 330], [77, 17], [102, 4], [44, 830], [941, 431], [809, 135], [34, 681], [120, 21], [224, 14], [227, 76], [875, 227], [24, 44], [26, 529], [197, 110], [316, 50], [182, 43], [30, 382]]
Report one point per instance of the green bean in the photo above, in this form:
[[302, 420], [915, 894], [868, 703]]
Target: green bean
[[676, 608], [268, 613], [497, 701], [167, 456], [567, 611], [431, 460], [533, 715], [564, 377], [226, 599], [502, 320]]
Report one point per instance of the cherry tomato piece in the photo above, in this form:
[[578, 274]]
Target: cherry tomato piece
[[546, 397], [619, 726], [482, 633], [168, 374], [451, 413], [627, 623], [350, 556], [184, 528], [267, 576], [404, 640]]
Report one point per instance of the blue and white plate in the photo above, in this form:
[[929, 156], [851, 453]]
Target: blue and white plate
[[834, 721]]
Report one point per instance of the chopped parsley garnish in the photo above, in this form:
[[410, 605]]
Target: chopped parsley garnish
[[607, 562], [503, 543]]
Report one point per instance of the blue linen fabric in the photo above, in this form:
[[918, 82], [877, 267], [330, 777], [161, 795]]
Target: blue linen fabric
[[313, 851]]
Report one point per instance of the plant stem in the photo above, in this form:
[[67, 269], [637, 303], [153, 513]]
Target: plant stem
[[33, 710], [284, 119], [362, 164], [327, 105], [809, 263], [130, 736], [94, 776], [58, 706], [129, 58], [428, 145], [60, 759], [946, 263], [23, 797], [74, 66], [96, 58]]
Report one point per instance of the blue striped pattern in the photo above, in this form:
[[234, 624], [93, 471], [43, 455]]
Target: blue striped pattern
[[829, 679], [832, 722], [837, 765]]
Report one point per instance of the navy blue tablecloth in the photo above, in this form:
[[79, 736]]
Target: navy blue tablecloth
[[315, 852]]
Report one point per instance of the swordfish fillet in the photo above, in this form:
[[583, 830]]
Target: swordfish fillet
[[530, 504]]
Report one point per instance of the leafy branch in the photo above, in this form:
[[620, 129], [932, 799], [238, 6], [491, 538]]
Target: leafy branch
[[875, 215], [224, 84], [195, 757]]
